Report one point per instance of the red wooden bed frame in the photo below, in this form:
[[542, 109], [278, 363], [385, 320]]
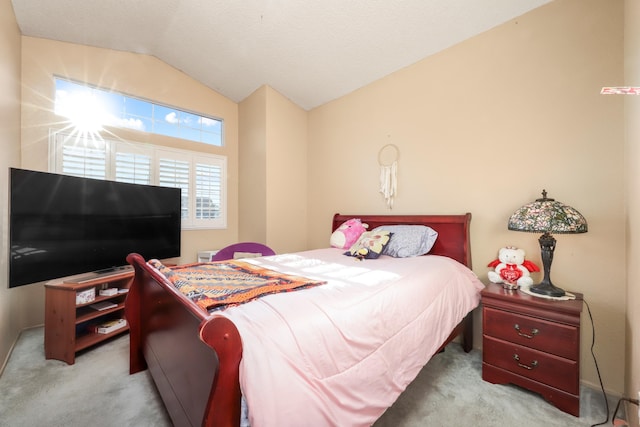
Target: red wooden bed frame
[[194, 357]]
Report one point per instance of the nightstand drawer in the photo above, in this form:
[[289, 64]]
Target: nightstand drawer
[[551, 337], [546, 368]]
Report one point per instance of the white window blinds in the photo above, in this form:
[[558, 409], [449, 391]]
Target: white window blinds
[[201, 177], [208, 191], [83, 157], [133, 168], [175, 173]]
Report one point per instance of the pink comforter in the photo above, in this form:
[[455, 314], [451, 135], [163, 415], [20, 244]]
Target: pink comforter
[[341, 353]]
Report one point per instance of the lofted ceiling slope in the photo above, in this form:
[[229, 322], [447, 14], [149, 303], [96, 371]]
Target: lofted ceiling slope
[[311, 51]]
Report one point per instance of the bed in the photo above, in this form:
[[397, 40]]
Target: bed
[[199, 360]]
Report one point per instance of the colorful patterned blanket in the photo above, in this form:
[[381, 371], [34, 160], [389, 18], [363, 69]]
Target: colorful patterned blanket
[[218, 285]]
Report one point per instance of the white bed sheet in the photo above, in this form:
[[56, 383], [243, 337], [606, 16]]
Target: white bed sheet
[[341, 353]]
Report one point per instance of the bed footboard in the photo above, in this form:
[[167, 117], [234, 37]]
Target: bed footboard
[[193, 357]]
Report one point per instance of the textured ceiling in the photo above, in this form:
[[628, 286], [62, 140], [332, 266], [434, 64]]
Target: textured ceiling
[[311, 51]]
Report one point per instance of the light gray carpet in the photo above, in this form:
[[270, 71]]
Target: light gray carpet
[[98, 391], [95, 391]]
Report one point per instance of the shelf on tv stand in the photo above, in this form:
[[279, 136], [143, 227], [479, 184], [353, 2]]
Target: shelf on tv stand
[[68, 327]]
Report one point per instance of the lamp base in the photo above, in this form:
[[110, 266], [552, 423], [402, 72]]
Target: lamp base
[[547, 289]]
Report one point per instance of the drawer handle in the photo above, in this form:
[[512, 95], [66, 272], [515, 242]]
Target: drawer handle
[[522, 365], [534, 332]]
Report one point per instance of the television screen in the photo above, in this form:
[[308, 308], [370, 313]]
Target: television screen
[[62, 225]]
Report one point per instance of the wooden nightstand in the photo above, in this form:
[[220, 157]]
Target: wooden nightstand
[[534, 343]]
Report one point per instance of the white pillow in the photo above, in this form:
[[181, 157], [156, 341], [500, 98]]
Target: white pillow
[[409, 240], [240, 255]]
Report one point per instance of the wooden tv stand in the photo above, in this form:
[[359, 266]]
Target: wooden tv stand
[[70, 327]]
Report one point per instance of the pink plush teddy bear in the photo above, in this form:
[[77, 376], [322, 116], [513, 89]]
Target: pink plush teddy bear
[[348, 233]]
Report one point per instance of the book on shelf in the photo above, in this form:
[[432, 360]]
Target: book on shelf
[[85, 296], [108, 292], [103, 305], [110, 326]]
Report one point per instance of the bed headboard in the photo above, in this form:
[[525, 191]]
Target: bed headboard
[[453, 231]]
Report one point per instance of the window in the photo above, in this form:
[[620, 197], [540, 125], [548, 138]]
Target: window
[[202, 177], [90, 108]]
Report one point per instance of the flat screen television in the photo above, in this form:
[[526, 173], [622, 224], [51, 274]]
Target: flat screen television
[[62, 225]]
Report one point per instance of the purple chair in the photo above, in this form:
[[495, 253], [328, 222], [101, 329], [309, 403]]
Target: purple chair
[[244, 247]]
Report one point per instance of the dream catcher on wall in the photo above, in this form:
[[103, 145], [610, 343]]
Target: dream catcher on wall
[[388, 161]]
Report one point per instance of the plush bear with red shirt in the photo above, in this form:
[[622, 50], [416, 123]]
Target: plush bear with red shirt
[[511, 268]]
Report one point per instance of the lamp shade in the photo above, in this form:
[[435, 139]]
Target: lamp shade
[[547, 215]]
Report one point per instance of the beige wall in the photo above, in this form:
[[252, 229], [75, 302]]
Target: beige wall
[[286, 174], [253, 167], [16, 311], [483, 127], [632, 157], [273, 171]]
